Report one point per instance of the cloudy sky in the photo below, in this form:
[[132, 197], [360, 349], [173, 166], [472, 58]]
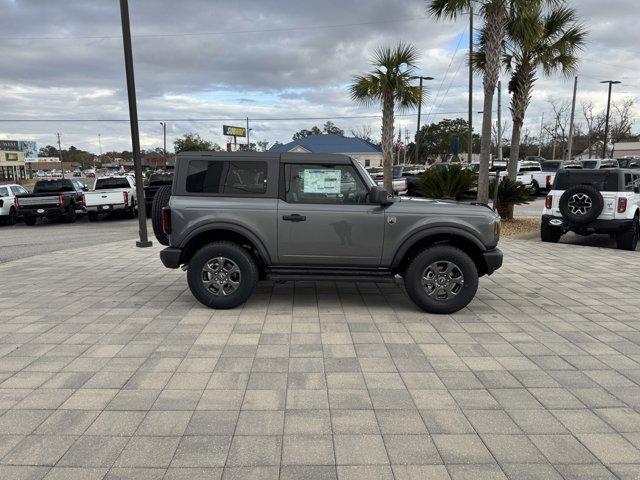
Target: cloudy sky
[[266, 59]]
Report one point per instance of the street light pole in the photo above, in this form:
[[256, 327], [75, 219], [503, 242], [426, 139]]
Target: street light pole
[[470, 153], [60, 155], [418, 125], [133, 120], [164, 141], [606, 123], [573, 114]]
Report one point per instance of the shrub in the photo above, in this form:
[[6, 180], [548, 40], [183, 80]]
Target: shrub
[[510, 193], [447, 183]]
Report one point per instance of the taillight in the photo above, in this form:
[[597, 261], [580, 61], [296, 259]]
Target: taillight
[[166, 220], [126, 197], [548, 181], [61, 200], [81, 199], [1, 203], [548, 201], [622, 204], [16, 202]]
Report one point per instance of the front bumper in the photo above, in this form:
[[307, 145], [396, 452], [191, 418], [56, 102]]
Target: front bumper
[[597, 226], [170, 257], [493, 260]]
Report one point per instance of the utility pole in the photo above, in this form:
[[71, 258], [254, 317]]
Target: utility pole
[[555, 139], [541, 135], [573, 114], [133, 120], [100, 150], [470, 154], [418, 136], [248, 141], [406, 144], [60, 155], [606, 124], [164, 142]]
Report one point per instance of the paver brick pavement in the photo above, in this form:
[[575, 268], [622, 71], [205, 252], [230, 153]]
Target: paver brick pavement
[[116, 372]]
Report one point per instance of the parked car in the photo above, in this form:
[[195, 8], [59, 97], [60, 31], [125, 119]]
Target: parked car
[[235, 218], [629, 162], [53, 199], [111, 195], [8, 209], [535, 158], [600, 163], [155, 182], [594, 201]]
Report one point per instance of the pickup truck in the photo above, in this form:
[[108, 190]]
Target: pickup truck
[[233, 219], [111, 195], [58, 199], [155, 182], [399, 183]]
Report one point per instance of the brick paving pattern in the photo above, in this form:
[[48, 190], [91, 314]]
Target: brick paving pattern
[[109, 369]]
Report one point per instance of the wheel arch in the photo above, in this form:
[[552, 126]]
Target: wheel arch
[[461, 239], [224, 232]]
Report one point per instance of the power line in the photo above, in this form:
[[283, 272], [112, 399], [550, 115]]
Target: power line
[[210, 33], [226, 119]]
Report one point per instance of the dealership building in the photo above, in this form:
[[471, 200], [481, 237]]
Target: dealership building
[[13, 155]]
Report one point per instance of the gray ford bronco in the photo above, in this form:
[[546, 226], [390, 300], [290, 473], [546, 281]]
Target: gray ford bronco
[[231, 219]]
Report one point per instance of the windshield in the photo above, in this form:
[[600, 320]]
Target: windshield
[[53, 186], [365, 175], [111, 182], [550, 166], [603, 181], [160, 178]]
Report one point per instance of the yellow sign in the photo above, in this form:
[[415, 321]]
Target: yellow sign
[[234, 131]]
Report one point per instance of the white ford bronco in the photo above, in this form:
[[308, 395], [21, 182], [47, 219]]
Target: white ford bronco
[[594, 201]]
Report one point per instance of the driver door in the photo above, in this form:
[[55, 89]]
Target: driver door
[[325, 218]]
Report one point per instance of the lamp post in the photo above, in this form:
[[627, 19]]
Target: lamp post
[[418, 126], [164, 141], [133, 120], [606, 123]]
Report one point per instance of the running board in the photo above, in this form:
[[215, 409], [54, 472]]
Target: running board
[[329, 274]]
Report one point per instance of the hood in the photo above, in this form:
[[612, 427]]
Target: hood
[[430, 205]]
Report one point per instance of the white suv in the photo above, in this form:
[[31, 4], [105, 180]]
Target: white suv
[[594, 201], [8, 210]]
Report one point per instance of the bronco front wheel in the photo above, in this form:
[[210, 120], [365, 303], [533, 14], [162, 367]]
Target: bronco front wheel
[[222, 275], [441, 279]]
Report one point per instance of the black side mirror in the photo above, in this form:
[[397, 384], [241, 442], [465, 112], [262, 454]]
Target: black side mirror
[[380, 196]]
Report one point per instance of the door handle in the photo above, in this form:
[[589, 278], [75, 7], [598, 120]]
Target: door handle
[[294, 218]]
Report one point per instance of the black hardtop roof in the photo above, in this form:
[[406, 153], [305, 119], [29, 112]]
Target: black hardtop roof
[[330, 158]]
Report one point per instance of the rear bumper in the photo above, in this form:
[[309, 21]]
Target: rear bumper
[[493, 260], [170, 257], [42, 212], [106, 208], [597, 226]]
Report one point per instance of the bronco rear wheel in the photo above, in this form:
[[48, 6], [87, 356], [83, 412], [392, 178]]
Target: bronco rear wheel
[[222, 275], [441, 279]]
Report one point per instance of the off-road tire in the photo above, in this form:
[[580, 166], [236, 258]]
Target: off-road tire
[[241, 257], [160, 200], [92, 216], [12, 218], [535, 188], [414, 274], [597, 204], [70, 216], [549, 234], [29, 220], [628, 240]]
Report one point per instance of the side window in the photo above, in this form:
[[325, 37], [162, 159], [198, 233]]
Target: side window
[[204, 176], [367, 163], [16, 190], [323, 184], [246, 177], [628, 182]]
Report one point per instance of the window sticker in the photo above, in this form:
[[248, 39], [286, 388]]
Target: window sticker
[[322, 181]]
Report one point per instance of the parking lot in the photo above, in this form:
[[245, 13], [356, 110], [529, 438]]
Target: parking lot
[[111, 369]]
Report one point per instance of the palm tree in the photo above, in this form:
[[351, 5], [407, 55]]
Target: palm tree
[[539, 38], [389, 83], [495, 14]]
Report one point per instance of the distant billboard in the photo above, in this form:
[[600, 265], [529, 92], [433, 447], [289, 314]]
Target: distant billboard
[[234, 131], [9, 145]]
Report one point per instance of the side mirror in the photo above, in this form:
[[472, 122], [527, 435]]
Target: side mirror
[[380, 196], [85, 188]]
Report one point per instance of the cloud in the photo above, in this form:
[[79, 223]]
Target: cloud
[[261, 58]]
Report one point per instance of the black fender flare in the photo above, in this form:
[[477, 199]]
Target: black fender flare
[[430, 231], [231, 227]]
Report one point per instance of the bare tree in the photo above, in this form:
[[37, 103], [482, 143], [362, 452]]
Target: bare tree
[[263, 144], [621, 121], [558, 127], [595, 125], [363, 132]]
